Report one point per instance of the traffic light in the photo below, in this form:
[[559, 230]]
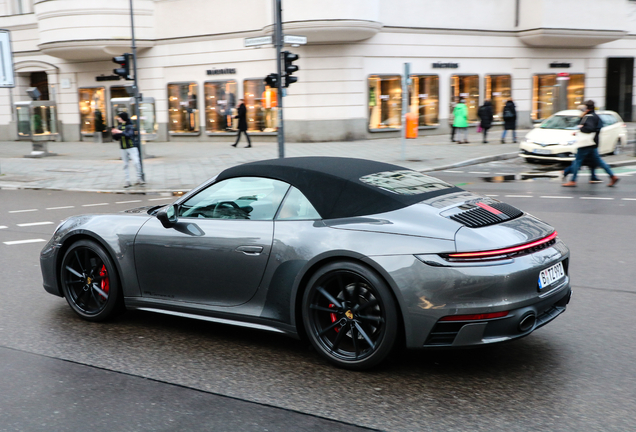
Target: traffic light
[[271, 80], [288, 59], [124, 66]]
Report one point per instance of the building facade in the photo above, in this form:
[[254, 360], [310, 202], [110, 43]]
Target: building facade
[[192, 59]]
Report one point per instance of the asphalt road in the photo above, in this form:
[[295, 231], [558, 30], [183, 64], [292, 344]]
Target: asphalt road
[[574, 374]]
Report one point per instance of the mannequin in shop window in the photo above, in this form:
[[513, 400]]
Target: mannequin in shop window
[[270, 101]]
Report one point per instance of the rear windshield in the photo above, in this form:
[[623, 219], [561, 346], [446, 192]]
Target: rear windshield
[[405, 182], [561, 122]]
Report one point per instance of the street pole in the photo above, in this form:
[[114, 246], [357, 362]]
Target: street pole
[[278, 42], [137, 94], [406, 81]]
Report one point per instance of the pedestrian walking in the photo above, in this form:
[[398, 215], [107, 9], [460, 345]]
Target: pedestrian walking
[[460, 121], [242, 123], [452, 119], [510, 121], [125, 134], [589, 161], [587, 143], [485, 114]]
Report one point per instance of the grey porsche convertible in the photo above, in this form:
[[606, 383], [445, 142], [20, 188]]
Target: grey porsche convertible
[[352, 254]]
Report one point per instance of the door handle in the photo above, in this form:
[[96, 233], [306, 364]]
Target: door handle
[[250, 250]]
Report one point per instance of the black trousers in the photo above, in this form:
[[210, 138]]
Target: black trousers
[[238, 137]]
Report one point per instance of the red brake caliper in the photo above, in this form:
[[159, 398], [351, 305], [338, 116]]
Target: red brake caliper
[[105, 283], [334, 318]]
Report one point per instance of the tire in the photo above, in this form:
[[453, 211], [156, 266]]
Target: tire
[[89, 281], [617, 147], [350, 315]]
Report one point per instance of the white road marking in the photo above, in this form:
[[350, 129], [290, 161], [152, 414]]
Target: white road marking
[[628, 199], [22, 211], [93, 205], [34, 224], [556, 197], [3, 227], [59, 208], [17, 242], [492, 195], [519, 196], [597, 198], [478, 172], [158, 199], [504, 173], [456, 172], [127, 202]]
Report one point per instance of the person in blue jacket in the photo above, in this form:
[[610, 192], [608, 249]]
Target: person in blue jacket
[[125, 134]]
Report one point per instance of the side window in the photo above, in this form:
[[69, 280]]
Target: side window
[[607, 119], [251, 198], [297, 207]]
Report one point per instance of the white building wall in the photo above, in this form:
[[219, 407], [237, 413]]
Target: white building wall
[[181, 39]]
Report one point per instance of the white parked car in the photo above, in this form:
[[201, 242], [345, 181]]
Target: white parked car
[[555, 138]]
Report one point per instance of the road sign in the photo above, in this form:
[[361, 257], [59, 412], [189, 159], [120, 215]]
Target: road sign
[[7, 78], [258, 41], [295, 40]]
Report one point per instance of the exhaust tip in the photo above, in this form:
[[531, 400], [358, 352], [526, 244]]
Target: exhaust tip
[[527, 322]]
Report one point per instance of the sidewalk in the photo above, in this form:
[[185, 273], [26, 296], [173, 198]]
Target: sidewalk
[[180, 166]]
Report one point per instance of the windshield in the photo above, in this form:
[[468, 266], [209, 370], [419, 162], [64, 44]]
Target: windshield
[[561, 122]]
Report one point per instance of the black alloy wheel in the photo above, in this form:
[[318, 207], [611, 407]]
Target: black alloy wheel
[[89, 281], [350, 315]]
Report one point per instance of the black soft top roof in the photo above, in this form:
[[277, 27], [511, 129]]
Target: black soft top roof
[[332, 184]]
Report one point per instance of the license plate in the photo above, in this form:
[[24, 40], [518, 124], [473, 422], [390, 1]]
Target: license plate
[[542, 151], [550, 275]]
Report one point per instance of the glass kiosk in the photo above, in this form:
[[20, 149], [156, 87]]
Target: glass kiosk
[[147, 110], [37, 120]]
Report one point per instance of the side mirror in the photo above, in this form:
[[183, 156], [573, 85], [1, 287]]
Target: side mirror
[[168, 216]]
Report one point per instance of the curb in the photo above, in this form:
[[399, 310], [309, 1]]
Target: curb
[[483, 159]]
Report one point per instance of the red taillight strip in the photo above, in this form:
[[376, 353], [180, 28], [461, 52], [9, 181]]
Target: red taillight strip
[[497, 252], [474, 317]]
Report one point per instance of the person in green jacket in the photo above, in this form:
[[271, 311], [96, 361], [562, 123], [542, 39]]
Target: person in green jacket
[[460, 121]]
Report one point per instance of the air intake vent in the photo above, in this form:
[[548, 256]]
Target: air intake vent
[[483, 215]]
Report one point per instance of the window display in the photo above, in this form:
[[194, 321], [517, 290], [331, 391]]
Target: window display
[[385, 102], [424, 99], [220, 106], [544, 94], [262, 106], [466, 87], [498, 91], [92, 109], [183, 108]]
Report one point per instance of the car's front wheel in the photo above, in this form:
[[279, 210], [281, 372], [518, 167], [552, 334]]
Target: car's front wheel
[[89, 281], [350, 315]]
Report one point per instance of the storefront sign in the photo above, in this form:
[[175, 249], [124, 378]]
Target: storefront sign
[[226, 71], [440, 65], [555, 65]]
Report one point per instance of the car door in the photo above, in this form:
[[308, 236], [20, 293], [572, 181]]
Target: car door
[[218, 249], [609, 133]]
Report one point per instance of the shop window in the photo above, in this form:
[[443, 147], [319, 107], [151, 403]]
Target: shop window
[[92, 110], [182, 107], [498, 91], [424, 99], [545, 94], [262, 106], [220, 106], [466, 87], [385, 102]]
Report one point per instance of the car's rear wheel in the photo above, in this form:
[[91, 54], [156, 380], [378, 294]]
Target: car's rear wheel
[[89, 281], [350, 315]]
